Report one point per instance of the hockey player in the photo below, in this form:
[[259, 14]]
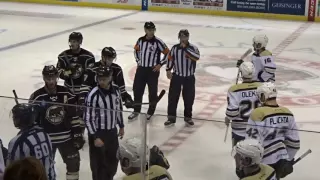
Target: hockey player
[[242, 100], [262, 60], [32, 140], [130, 161], [60, 121], [275, 127], [2, 161], [248, 154], [72, 63], [108, 56]]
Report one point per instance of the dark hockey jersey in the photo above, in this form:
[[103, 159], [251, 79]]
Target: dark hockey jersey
[[90, 80], [58, 118], [33, 142], [77, 64]]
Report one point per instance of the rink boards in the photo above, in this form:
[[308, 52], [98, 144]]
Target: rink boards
[[300, 10]]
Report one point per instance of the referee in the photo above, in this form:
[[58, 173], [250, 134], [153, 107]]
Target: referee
[[103, 113], [182, 60], [147, 52], [32, 140]]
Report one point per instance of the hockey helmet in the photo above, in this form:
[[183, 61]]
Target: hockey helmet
[[149, 25], [266, 91], [129, 154], [104, 71], [183, 33], [247, 70], [248, 152], [23, 115], [109, 52], [260, 41], [50, 71]]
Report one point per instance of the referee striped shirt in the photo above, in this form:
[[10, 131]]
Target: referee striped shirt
[[36, 143], [148, 52], [104, 109], [183, 60]]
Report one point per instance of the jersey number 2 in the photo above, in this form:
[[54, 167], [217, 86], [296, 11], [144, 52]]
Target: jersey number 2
[[246, 106], [41, 150]]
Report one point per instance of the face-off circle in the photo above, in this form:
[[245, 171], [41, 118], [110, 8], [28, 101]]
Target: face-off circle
[[296, 80]]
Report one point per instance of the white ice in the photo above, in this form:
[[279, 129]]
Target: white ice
[[221, 40]]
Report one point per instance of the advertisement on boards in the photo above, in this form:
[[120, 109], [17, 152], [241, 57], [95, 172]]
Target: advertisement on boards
[[292, 7], [194, 4]]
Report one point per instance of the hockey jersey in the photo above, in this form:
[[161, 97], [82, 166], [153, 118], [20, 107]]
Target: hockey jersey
[[77, 64], [58, 118], [34, 142], [265, 173], [265, 66], [155, 172], [242, 100], [90, 80], [276, 129]]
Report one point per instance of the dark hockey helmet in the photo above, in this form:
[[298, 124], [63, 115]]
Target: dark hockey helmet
[[183, 33], [49, 71], [76, 36], [23, 115], [109, 52], [104, 71], [149, 25]]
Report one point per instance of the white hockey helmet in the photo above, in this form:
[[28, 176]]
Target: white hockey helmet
[[129, 153], [268, 90], [249, 152], [247, 70], [260, 41]]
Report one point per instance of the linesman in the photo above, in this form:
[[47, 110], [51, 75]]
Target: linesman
[[182, 60], [147, 52], [103, 113], [32, 140]]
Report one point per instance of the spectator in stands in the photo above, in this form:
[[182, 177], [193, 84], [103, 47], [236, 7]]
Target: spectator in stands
[[28, 168]]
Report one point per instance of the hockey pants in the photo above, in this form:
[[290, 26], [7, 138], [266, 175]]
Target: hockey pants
[[188, 94], [103, 160], [71, 158], [145, 76]]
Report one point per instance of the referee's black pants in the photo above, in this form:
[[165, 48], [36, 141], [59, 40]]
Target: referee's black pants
[[145, 76], [188, 95], [103, 160]]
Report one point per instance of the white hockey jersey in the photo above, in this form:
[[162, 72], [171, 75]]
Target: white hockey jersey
[[265, 66], [276, 129], [242, 100]]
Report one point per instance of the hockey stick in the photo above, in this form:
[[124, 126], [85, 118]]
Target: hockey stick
[[302, 156], [15, 96], [162, 93], [242, 57]]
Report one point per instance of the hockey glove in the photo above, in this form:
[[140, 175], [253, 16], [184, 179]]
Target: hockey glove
[[78, 141], [285, 168], [128, 101], [157, 158], [239, 62]]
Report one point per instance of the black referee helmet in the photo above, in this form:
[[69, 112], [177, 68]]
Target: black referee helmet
[[104, 71], [183, 33], [23, 115], [149, 25]]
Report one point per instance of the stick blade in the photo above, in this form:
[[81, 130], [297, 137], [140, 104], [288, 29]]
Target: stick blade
[[162, 93]]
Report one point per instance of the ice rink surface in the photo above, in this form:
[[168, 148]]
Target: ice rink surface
[[32, 36]]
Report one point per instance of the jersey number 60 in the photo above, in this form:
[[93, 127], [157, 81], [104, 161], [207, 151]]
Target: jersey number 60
[[41, 150]]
